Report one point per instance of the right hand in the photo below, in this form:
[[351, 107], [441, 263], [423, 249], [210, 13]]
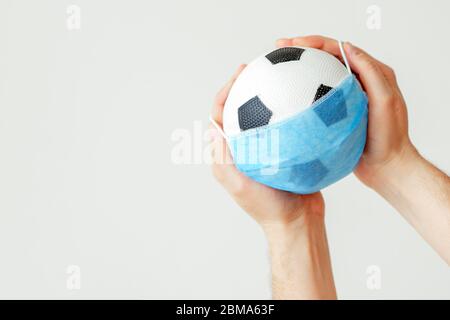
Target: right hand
[[388, 144]]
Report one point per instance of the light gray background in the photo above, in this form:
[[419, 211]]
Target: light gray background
[[86, 176]]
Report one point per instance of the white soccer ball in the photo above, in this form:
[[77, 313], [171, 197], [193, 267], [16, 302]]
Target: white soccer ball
[[279, 85]]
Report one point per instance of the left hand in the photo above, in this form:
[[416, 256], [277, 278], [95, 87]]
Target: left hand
[[269, 207]]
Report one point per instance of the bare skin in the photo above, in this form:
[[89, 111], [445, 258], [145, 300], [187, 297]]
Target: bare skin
[[390, 165]]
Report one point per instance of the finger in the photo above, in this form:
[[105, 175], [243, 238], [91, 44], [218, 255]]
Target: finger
[[221, 97], [222, 166], [318, 42], [370, 73], [327, 44], [284, 42], [219, 150], [331, 46], [385, 69]]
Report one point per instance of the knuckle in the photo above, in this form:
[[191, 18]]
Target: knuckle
[[393, 75], [390, 72], [389, 99], [370, 64], [358, 52]]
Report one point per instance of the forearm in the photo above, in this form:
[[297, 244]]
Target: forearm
[[421, 193], [300, 261]]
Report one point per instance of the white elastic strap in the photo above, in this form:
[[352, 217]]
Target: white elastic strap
[[215, 124], [344, 57]]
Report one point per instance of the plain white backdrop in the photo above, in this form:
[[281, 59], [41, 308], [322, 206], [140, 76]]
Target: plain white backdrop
[[92, 99]]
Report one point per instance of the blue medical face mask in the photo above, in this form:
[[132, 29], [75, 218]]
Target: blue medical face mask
[[311, 150]]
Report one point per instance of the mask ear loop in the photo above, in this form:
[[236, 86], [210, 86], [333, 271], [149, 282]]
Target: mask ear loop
[[341, 47], [216, 125]]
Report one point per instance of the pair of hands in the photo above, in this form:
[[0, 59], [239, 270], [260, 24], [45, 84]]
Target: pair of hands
[[390, 165], [387, 146]]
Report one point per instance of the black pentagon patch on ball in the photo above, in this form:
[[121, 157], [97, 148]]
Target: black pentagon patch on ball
[[332, 112], [285, 55], [308, 174], [253, 114], [321, 91]]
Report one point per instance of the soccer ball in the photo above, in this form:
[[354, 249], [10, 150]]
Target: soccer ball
[[296, 120], [278, 85]]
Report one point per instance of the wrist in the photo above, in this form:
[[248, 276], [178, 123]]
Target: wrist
[[394, 174], [303, 226], [420, 192], [302, 238]]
